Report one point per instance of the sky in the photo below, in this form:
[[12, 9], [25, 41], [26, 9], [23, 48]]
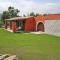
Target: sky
[[36, 6]]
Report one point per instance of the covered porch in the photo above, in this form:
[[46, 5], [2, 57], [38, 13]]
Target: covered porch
[[15, 25]]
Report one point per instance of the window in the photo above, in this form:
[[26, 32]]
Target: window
[[19, 24]]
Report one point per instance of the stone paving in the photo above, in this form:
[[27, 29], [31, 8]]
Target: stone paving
[[8, 57]]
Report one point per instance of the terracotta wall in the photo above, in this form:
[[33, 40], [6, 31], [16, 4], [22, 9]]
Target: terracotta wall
[[47, 17], [30, 24], [40, 18], [52, 17]]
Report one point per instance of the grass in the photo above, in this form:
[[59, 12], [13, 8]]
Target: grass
[[30, 46], [0, 21]]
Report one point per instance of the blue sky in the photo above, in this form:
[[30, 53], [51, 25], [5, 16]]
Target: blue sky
[[45, 1], [27, 6]]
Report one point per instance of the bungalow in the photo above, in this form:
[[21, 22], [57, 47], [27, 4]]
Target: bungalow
[[47, 23], [20, 24]]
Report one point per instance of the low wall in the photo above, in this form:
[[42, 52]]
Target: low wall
[[52, 27]]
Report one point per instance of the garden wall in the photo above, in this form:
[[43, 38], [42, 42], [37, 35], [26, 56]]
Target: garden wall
[[52, 27]]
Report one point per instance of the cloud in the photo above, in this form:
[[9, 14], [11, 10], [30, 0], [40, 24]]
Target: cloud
[[27, 6], [53, 7]]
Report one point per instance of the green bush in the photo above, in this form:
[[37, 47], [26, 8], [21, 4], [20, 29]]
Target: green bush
[[1, 23]]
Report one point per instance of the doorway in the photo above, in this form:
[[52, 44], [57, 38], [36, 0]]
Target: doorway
[[40, 27]]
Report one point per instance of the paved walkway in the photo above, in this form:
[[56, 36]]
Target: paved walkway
[[39, 32]]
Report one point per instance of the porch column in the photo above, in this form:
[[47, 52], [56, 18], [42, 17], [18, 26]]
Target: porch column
[[5, 24], [36, 25], [14, 26], [10, 24]]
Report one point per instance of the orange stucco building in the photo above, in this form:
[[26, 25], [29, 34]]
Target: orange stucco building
[[39, 23]]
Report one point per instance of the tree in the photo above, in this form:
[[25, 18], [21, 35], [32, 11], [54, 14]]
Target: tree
[[45, 14], [12, 12], [5, 15], [37, 14], [24, 15], [32, 14]]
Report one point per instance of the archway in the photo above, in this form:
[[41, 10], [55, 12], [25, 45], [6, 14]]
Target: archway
[[40, 27]]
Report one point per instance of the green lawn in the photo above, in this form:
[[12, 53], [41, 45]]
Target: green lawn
[[30, 46]]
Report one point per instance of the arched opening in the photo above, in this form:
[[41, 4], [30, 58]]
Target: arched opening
[[40, 27]]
